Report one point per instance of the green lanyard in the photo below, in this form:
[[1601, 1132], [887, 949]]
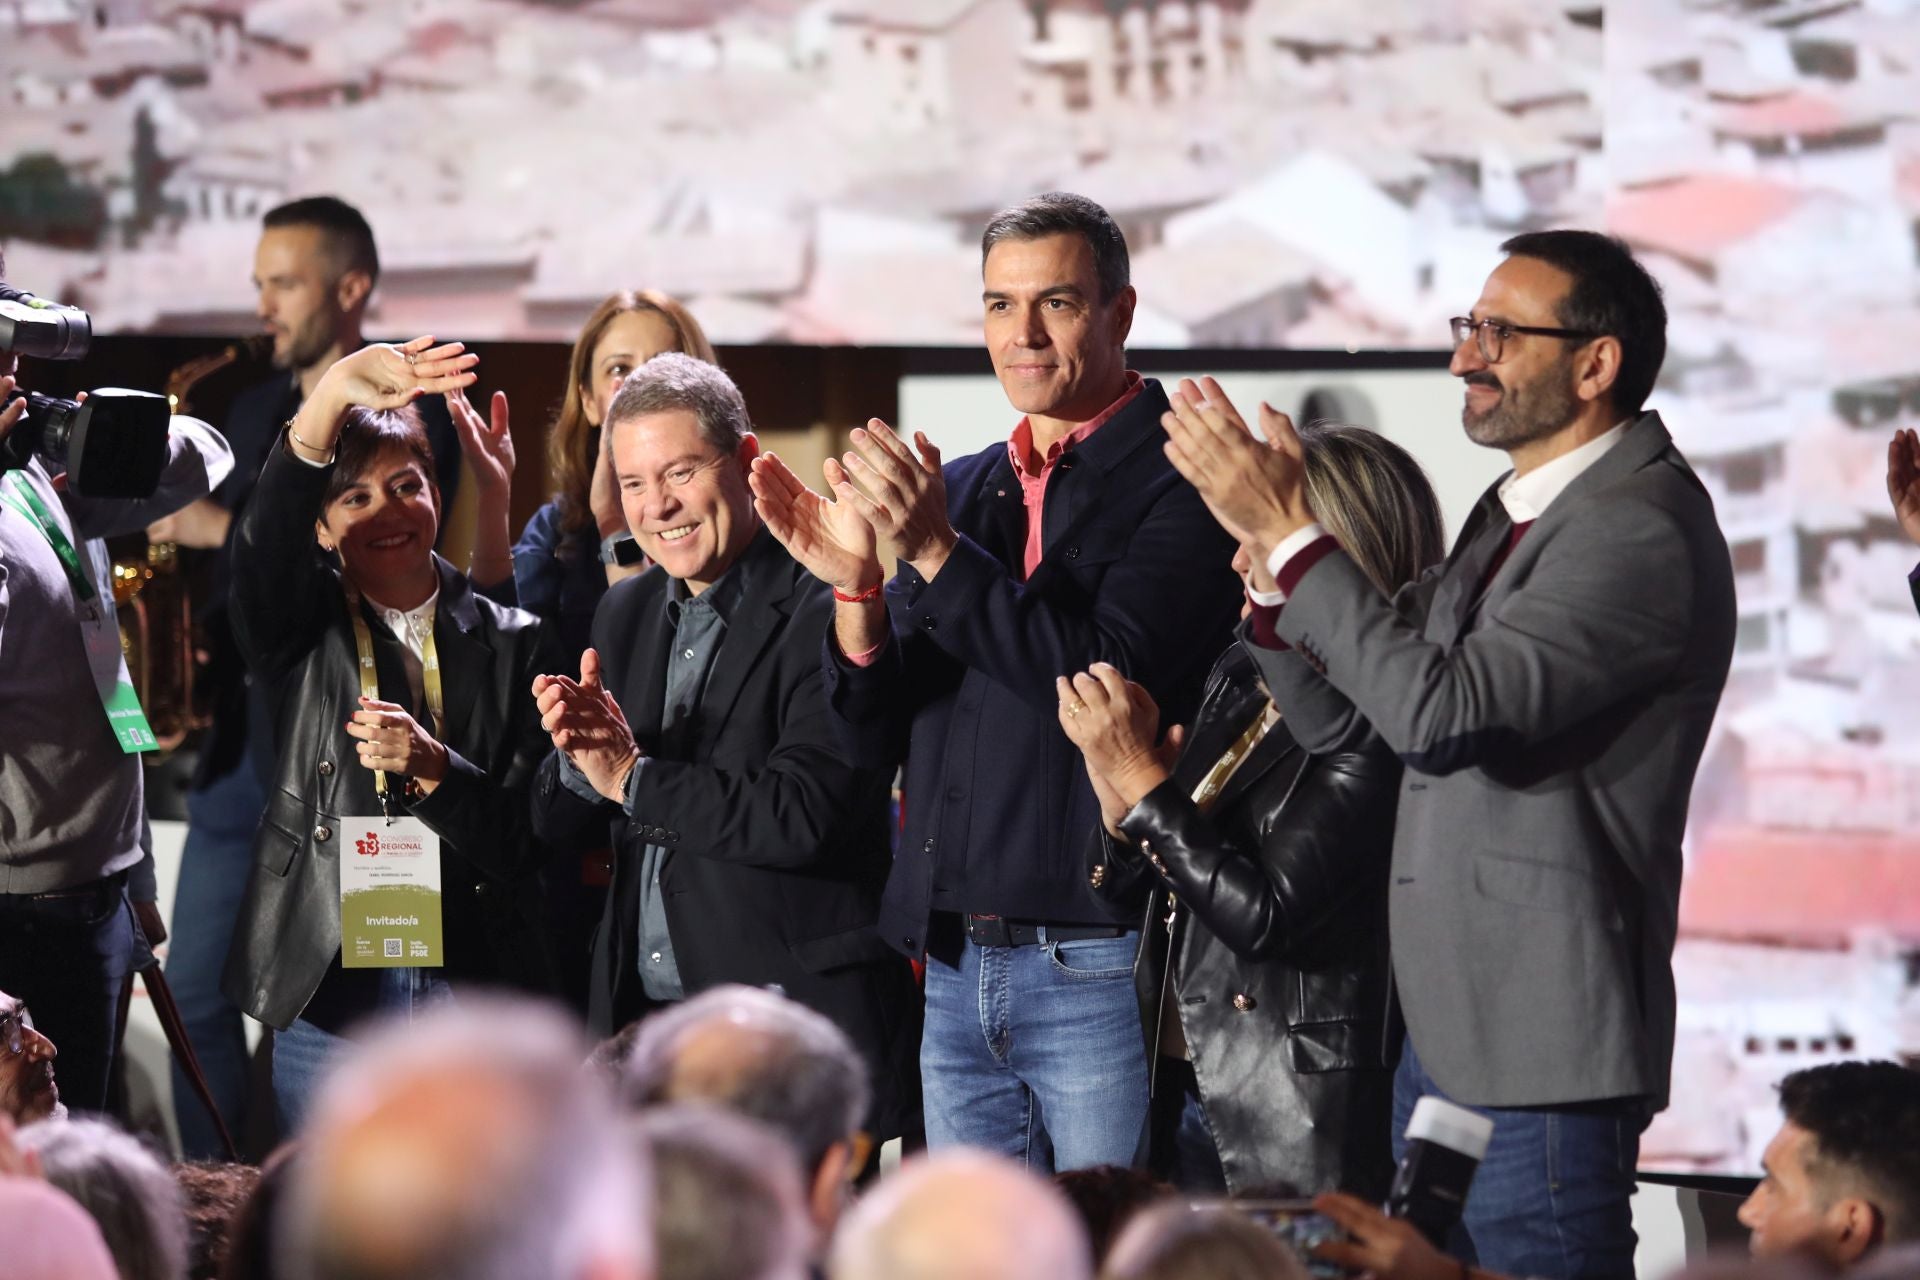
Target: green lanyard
[[24, 499], [101, 632]]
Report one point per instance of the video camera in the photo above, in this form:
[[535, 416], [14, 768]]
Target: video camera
[[113, 445]]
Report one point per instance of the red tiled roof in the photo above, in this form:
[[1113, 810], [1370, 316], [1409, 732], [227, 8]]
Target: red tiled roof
[[1697, 217], [1787, 115], [1811, 888]]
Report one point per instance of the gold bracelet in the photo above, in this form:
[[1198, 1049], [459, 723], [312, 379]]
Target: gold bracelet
[[291, 435]]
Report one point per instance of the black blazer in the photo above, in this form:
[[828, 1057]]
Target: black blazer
[[1135, 572], [1281, 978], [290, 617], [777, 845]]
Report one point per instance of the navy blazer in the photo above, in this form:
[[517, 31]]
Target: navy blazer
[[1134, 571]]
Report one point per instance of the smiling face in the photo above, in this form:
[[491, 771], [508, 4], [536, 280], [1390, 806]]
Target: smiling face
[[302, 296], [383, 523], [27, 1088], [630, 340], [1530, 394], [685, 498], [1058, 348]]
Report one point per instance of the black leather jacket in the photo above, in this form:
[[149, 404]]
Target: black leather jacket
[[290, 617], [1277, 921]]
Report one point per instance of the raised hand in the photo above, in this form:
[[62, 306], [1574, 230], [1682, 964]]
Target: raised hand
[[832, 539], [1115, 723], [385, 376], [586, 724], [1379, 1246], [393, 741], [1256, 491], [486, 443], [1903, 480], [906, 498]]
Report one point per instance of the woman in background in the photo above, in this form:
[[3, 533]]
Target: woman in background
[[1263, 969], [561, 564]]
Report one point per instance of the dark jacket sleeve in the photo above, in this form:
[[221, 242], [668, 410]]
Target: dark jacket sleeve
[[871, 708], [537, 572], [1147, 609], [564, 820], [1262, 894], [283, 594], [486, 818]]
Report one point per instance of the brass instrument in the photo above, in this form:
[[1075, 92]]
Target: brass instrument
[[154, 597]]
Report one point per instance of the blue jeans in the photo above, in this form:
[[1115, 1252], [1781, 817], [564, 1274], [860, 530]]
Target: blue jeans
[[1552, 1197], [1036, 1052], [222, 820], [303, 1053]]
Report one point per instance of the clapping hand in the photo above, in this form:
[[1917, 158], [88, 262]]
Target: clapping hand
[[833, 539], [906, 498], [1115, 723], [588, 727], [1256, 491], [486, 443], [392, 741], [1903, 480]]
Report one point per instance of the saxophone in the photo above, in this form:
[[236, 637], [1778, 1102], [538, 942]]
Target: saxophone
[[154, 598]]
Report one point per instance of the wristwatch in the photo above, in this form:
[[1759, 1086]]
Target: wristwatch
[[621, 549]]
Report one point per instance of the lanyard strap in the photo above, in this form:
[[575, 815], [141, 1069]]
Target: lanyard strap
[[1224, 768], [23, 498], [370, 676]]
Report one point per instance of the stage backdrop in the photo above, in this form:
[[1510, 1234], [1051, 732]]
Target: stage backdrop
[[1318, 175]]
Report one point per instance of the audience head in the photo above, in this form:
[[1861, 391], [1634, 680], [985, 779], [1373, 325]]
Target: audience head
[[1842, 1176], [765, 1057], [47, 1236], [313, 271], [625, 331], [1186, 1242], [961, 1215], [382, 486], [467, 1143], [1525, 387], [727, 1203], [1058, 305], [1373, 497], [124, 1188], [1107, 1197], [251, 1232], [681, 444], [27, 1088], [214, 1193]]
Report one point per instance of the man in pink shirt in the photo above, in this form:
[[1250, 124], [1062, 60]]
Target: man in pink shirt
[[1073, 543]]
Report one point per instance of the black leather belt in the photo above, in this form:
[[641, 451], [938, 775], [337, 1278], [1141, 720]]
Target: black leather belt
[[995, 931]]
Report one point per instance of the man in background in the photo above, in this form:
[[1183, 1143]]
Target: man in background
[[314, 273]]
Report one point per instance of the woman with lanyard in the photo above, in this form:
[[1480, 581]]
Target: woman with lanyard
[[395, 860], [1263, 969]]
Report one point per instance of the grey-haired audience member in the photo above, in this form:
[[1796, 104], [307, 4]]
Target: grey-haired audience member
[[765, 1057], [124, 1188], [467, 1143], [1183, 1242], [727, 1201], [962, 1215]]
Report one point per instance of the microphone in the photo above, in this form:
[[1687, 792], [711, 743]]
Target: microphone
[[1445, 1144]]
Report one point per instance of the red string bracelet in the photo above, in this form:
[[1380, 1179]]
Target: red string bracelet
[[859, 597]]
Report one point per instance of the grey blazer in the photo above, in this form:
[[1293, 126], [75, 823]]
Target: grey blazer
[[1551, 729]]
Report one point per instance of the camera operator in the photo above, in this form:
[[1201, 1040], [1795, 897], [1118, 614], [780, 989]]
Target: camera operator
[[72, 809]]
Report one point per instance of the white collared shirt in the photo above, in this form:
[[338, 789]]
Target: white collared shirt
[[1526, 497], [411, 627]]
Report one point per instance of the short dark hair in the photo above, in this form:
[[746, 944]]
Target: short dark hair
[[368, 433], [349, 238], [1058, 213], [1865, 1120], [1612, 294], [1107, 1197]]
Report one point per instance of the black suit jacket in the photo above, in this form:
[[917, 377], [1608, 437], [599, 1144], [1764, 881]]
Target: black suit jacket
[[777, 845]]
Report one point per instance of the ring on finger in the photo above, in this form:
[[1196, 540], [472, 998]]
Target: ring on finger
[[1075, 708]]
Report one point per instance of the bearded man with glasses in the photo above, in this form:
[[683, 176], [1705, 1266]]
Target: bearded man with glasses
[[28, 1091], [695, 740], [1549, 687]]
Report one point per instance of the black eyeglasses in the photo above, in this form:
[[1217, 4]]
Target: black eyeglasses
[[13, 1029], [1493, 334]]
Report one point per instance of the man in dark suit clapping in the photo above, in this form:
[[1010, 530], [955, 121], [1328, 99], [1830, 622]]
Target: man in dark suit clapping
[[747, 849]]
